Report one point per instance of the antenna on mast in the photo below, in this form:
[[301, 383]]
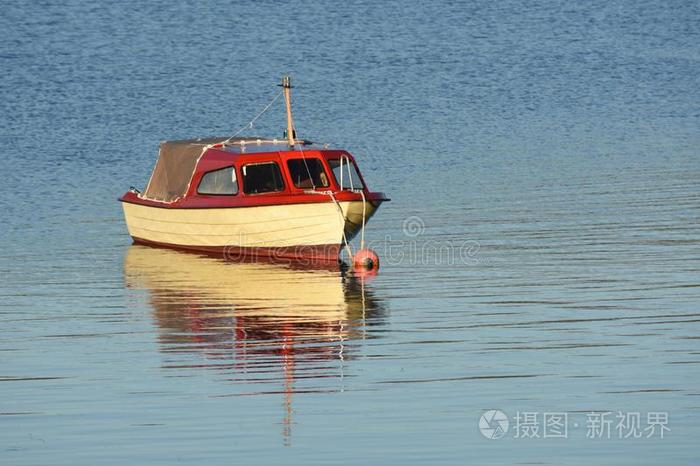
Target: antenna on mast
[[287, 85]]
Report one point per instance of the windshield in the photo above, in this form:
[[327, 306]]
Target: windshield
[[307, 173]]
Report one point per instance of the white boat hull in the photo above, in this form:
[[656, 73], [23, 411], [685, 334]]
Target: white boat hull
[[314, 229]]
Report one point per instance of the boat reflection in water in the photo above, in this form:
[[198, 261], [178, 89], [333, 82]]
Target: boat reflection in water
[[281, 328]]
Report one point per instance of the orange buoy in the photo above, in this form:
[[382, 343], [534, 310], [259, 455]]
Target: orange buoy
[[366, 259]]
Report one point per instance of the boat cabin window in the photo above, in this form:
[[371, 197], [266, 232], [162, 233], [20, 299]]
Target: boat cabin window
[[307, 173], [219, 182], [345, 173], [262, 178]]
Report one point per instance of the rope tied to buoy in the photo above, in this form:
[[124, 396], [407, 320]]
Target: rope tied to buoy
[[348, 248], [364, 215], [364, 258]]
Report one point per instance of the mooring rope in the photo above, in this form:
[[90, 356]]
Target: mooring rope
[[301, 150], [348, 248], [364, 214]]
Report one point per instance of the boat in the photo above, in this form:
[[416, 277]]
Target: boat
[[285, 198]]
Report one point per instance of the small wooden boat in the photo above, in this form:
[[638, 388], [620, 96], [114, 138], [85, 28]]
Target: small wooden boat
[[245, 197]]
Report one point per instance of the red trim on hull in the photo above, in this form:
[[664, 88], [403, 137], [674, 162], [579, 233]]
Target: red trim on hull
[[322, 254]]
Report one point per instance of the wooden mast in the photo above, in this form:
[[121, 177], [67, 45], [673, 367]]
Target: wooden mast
[[287, 85]]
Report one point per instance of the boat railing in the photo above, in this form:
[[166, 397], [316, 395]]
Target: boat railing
[[259, 142], [348, 164]]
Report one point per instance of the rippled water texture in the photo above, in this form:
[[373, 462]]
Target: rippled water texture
[[540, 254]]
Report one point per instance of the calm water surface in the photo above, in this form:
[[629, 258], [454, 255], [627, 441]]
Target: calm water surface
[[541, 251]]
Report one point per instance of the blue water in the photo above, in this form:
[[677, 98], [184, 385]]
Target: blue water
[[540, 254]]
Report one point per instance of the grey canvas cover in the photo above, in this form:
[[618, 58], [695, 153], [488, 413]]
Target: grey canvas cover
[[175, 166]]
